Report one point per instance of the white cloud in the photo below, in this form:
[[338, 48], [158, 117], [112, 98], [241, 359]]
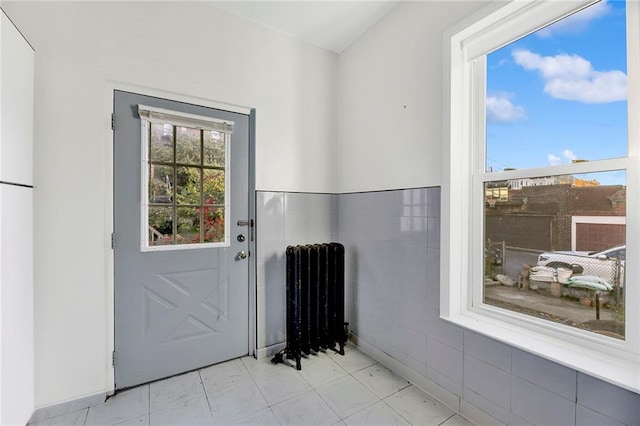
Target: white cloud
[[501, 110], [572, 77], [577, 22], [567, 154]]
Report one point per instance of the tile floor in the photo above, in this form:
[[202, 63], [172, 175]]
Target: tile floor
[[330, 390]]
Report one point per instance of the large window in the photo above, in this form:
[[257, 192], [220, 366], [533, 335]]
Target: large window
[[185, 180], [557, 97], [543, 178]]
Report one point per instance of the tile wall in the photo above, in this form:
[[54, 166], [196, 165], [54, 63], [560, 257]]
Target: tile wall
[[282, 219], [392, 260], [392, 241]]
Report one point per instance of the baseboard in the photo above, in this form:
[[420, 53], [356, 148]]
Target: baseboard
[[431, 388], [270, 350], [58, 409]]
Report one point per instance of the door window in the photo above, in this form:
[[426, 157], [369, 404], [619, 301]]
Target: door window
[[185, 180]]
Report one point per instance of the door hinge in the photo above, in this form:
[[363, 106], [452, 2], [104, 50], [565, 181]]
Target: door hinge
[[113, 121], [113, 358], [113, 240]]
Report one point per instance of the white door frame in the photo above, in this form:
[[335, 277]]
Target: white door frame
[[110, 88]]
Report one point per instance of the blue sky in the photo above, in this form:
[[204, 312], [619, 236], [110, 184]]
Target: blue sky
[[560, 94]]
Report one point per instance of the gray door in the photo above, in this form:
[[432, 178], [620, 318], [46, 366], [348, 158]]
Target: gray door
[[180, 307]]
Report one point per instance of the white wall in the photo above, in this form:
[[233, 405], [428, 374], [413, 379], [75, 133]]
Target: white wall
[[188, 48], [390, 99]]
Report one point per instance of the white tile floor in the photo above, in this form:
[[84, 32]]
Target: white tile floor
[[330, 390]]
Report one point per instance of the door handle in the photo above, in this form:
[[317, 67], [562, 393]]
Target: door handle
[[241, 255]]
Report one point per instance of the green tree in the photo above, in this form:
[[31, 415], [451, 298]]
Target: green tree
[[198, 190]]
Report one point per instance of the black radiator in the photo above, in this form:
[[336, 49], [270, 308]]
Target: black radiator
[[315, 300]]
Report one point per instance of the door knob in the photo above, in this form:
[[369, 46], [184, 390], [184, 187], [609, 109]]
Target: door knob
[[241, 255]]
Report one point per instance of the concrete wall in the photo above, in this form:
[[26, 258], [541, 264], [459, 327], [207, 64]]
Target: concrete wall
[[192, 49]]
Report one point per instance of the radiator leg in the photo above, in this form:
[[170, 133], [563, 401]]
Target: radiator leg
[[278, 359], [345, 337]]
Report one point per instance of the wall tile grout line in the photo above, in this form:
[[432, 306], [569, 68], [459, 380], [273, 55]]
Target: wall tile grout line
[[449, 418], [86, 414], [515, 376]]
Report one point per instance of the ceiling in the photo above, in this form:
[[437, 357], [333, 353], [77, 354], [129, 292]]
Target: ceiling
[[333, 25]]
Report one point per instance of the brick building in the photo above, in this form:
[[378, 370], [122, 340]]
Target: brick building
[[559, 217]]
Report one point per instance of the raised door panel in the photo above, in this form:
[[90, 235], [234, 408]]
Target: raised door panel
[[16, 109]]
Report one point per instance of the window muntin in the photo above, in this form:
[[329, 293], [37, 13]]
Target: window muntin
[[185, 181], [464, 198]]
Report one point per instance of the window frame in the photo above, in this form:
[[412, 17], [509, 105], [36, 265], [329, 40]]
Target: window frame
[[149, 115], [464, 50]]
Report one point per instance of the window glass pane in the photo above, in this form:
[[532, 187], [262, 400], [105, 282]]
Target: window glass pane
[[160, 226], [214, 148], [555, 245], [213, 224], [188, 225], [160, 184], [188, 185], [161, 147], [559, 95], [213, 186], [187, 145]]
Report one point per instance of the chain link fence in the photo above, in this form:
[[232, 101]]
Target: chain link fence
[[512, 261], [609, 269]]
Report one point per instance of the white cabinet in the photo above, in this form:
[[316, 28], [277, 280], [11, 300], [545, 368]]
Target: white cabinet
[[16, 227], [16, 298], [16, 105]]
